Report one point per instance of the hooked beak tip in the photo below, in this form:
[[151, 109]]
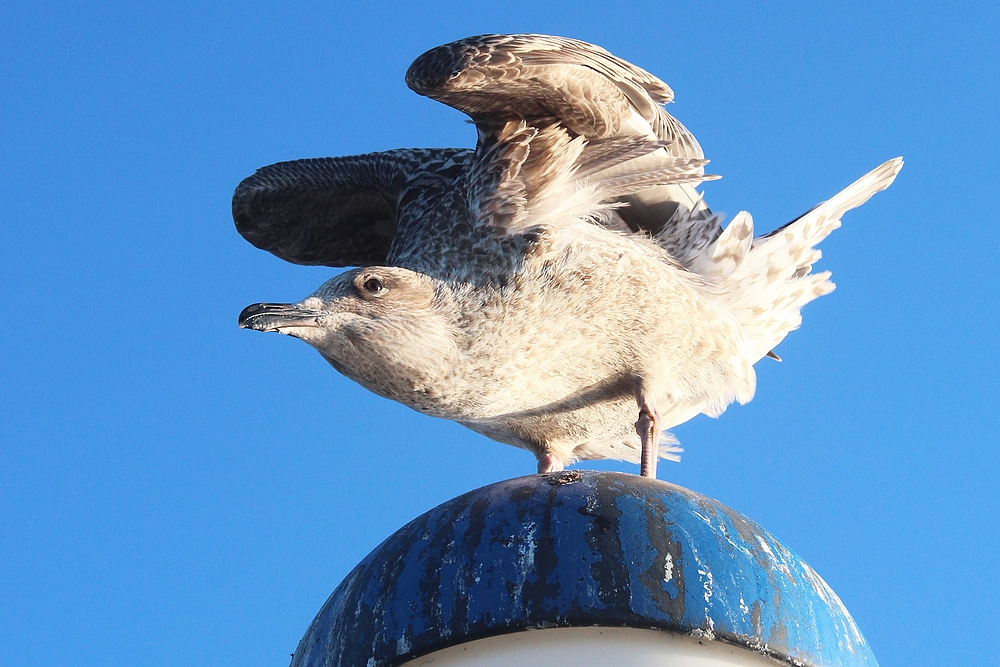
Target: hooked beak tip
[[276, 316], [250, 317]]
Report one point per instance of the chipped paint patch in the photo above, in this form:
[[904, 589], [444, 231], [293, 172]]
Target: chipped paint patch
[[576, 549]]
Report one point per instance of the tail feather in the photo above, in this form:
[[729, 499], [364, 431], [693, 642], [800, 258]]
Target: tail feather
[[726, 253], [765, 283]]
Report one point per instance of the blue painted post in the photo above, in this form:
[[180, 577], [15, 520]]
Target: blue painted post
[[601, 567]]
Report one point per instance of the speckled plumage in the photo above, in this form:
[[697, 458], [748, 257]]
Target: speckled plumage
[[554, 283]]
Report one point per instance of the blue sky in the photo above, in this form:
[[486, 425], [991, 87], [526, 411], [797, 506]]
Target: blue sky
[[176, 491]]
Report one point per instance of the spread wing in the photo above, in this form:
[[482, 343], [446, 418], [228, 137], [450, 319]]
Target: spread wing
[[331, 211], [542, 81], [497, 78]]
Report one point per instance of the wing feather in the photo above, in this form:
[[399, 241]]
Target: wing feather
[[531, 177], [498, 78], [332, 211], [543, 80]]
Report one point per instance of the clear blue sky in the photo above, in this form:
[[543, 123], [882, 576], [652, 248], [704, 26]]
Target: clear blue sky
[[176, 491]]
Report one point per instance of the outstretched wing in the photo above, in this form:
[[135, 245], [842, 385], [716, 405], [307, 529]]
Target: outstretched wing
[[331, 211], [543, 81], [498, 78]]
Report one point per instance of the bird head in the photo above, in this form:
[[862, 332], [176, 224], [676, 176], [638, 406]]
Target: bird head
[[381, 326]]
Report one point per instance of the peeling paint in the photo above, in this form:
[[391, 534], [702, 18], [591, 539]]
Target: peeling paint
[[580, 548]]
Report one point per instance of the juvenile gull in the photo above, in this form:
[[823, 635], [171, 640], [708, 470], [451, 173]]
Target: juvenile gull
[[561, 288]]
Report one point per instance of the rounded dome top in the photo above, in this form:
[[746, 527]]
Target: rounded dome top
[[580, 549]]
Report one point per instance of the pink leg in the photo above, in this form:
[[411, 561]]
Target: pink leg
[[549, 463], [646, 428]]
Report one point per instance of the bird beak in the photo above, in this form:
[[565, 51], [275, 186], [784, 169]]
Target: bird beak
[[278, 316]]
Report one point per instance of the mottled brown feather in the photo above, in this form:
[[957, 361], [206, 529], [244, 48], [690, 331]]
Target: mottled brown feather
[[331, 211]]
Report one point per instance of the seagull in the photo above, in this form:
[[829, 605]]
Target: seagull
[[563, 287]]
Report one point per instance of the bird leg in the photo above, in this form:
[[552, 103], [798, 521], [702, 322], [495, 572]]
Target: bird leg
[[646, 428], [549, 463]]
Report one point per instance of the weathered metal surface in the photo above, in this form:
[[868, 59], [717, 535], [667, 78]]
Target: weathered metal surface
[[580, 548]]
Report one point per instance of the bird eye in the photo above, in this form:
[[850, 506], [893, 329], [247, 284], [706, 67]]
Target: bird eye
[[374, 285]]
